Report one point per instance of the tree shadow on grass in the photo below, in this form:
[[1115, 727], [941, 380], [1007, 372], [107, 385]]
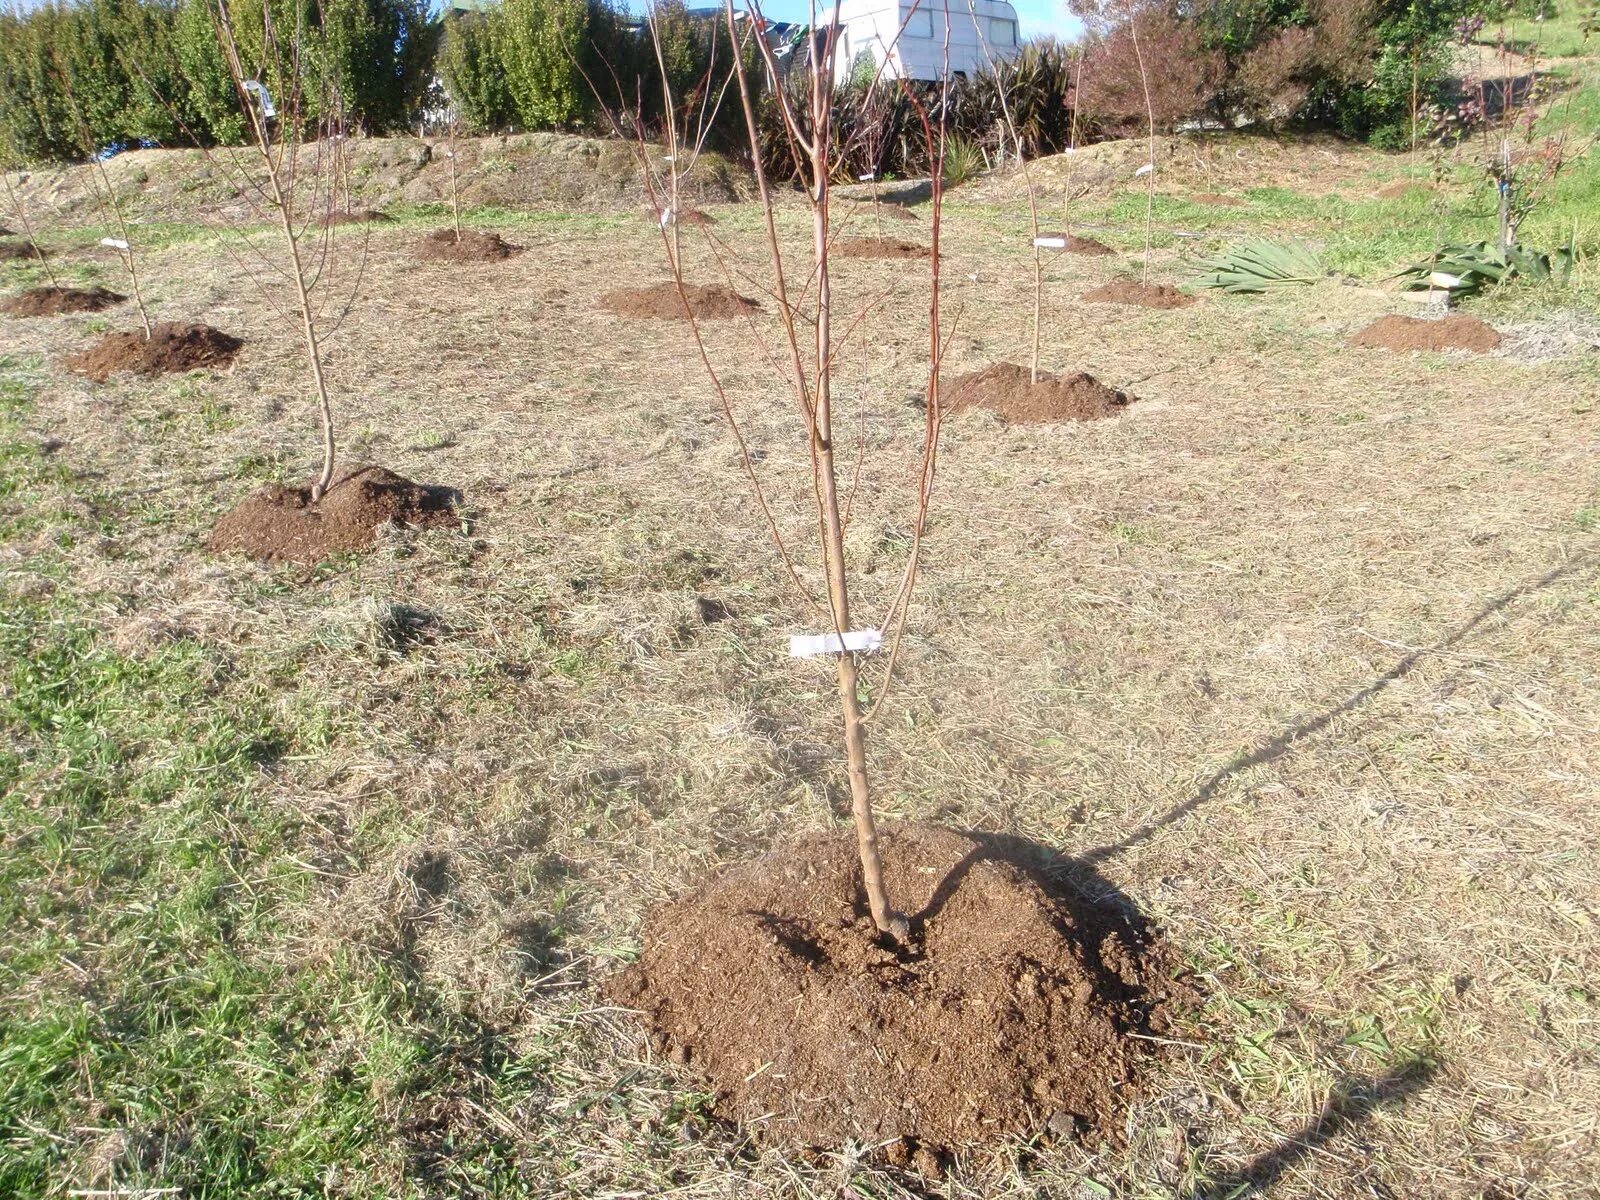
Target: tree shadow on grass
[[1353, 1102], [1286, 740]]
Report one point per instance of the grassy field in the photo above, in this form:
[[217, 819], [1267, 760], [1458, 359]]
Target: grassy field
[[309, 875]]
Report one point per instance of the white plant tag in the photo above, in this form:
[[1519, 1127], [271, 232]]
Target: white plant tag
[[867, 178], [114, 243], [267, 110], [666, 217], [1050, 243], [1440, 279], [809, 645], [1146, 169]]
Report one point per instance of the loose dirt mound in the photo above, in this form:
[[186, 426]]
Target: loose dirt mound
[[19, 250], [1010, 1013], [280, 524], [895, 212], [875, 247], [1078, 244], [442, 246], [53, 301], [1145, 295], [171, 347], [1217, 200], [1007, 389], [707, 302], [357, 216], [1454, 332]]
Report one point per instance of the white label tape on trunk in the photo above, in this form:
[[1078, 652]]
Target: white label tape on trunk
[[867, 178], [809, 645], [1050, 243]]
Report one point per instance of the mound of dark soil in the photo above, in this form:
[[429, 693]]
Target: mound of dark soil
[[442, 245], [707, 302], [1078, 244], [280, 524], [688, 216], [1217, 200], [1010, 1013], [53, 301], [357, 216], [15, 251], [876, 247], [170, 347], [1455, 332], [1008, 390], [1145, 295]]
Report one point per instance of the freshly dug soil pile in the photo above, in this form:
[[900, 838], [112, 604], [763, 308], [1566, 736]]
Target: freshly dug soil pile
[[1455, 332], [1217, 200], [171, 347], [53, 301], [1145, 295], [707, 302], [280, 524], [1078, 244], [1010, 1012], [357, 216], [1007, 389], [875, 247], [474, 246], [18, 250]]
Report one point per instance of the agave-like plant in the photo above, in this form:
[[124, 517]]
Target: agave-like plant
[[1468, 267], [1260, 266]]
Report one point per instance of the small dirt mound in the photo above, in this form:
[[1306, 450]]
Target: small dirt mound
[[1216, 200], [442, 245], [1078, 244], [707, 302], [53, 301], [357, 216], [1145, 295], [686, 216], [876, 247], [1008, 390], [16, 251], [1455, 332], [279, 524], [884, 208], [171, 347], [1010, 1013]]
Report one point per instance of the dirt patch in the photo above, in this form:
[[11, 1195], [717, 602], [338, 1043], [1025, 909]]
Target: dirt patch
[[1216, 200], [1078, 244], [686, 216], [53, 301], [1010, 1014], [1007, 389], [1399, 188], [15, 251], [442, 245], [876, 247], [707, 302], [279, 524], [1455, 332], [171, 347], [895, 212], [1145, 295], [357, 216]]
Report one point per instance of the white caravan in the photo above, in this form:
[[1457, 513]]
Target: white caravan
[[909, 35]]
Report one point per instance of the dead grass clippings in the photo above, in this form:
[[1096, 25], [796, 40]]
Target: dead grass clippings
[[170, 348], [1401, 333], [280, 524], [442, 245], [55, 301], [1217, 200], [706, 302], [1142, 295], [1011, 1014], [1009, 391]]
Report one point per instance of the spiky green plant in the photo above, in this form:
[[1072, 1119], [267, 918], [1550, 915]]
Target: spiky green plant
[[1260, 266], [1468, 267], [963, 161]]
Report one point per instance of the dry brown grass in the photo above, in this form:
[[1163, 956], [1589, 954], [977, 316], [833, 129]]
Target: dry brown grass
[[1301, 655]]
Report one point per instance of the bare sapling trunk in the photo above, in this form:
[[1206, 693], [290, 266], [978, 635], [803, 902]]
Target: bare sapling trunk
[[455, 190], [813, 332], [106, 199], [278, 168], [20, 209], [1150, 115]]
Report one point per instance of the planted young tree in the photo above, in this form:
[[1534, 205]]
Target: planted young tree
[[19, 211]]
